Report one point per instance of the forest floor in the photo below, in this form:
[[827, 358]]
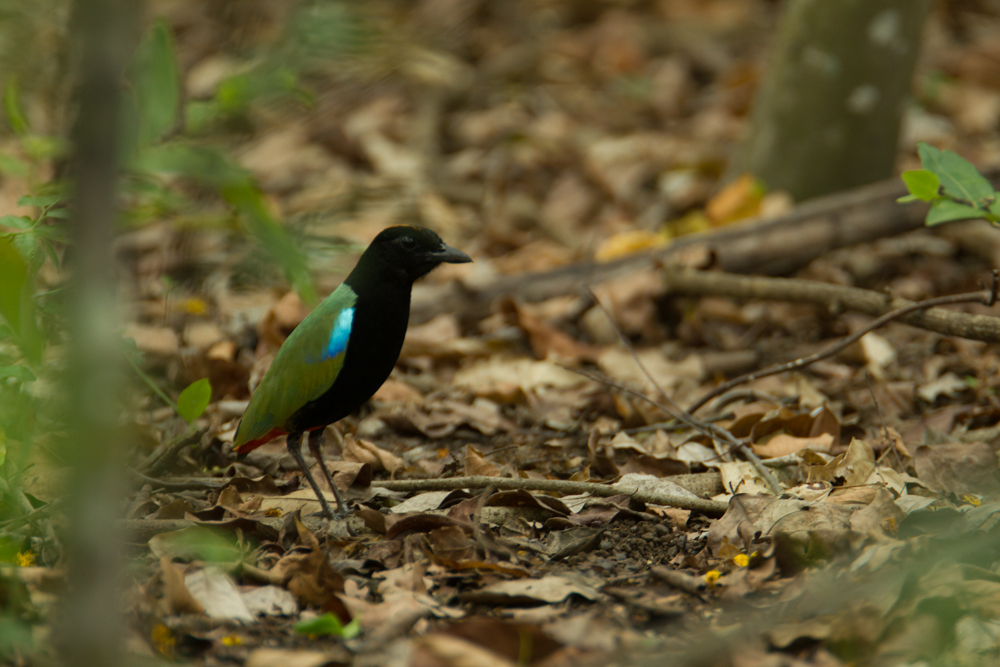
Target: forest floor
[[535, 135]]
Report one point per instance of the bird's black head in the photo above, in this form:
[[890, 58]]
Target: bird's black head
[[406, 253]]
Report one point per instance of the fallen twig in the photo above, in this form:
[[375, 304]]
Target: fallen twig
[[710, 430], [181, 485], [556, 486], [687, 417], [673, 409], [987, 297], [679, 580], [164, 455]]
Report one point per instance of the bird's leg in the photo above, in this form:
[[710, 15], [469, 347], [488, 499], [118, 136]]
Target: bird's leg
[[316, 447], [295, 449]]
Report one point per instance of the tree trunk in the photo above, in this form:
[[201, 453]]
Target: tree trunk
[[91, 628], [827, 115]]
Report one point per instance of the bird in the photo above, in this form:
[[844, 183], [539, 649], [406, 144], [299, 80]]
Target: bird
[[343, 351]]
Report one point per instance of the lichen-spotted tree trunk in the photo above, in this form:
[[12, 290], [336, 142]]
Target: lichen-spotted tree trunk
[[828, 111]]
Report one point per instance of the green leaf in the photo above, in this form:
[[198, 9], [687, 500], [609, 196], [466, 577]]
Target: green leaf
[[201, 543], [156, 82], [12, 166], [959, 177], [194, 399], [41, 202], [946, 210], [13, 276], [329, 624], [16, 221], [58, 213], [16, 305], [922, 184], [22, 373], [40, 147], [12, 106]]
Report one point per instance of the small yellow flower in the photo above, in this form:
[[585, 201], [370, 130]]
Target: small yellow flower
[[163, 640], [193, 306], [741, 560], [711, 577], [25, 558], [232, 640]]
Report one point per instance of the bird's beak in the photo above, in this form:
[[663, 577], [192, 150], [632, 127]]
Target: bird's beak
[[451, 256]]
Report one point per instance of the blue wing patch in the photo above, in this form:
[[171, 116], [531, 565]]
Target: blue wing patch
[[341, 332]]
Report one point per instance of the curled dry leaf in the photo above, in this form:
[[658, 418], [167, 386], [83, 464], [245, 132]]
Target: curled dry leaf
[[475, 464], [442, 418], [176, 596], [783, 444], [549, 590], [217, 593], [620, 365], [751, 516], [853, 466], [547, 341], [270, 601], [742, 477], [958, 468], [507, 378], [364, 451], [441, 337]]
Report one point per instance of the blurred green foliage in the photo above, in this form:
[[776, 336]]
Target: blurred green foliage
[[328, 625]]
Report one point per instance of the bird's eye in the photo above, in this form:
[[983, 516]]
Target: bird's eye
[[407, 243]]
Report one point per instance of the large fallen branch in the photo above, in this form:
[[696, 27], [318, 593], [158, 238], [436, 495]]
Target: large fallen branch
[[836, 298], [772, 247]]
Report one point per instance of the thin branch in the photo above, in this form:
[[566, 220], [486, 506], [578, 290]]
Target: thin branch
[[556, 486], [987, 297], [164, 455], [674, 409], [155, 388], [206, 484], [708, 429], [687, 417]]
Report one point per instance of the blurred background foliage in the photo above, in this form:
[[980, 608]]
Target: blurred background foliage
[[177, 152]]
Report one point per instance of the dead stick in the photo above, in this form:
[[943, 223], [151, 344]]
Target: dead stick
[[710, 430], [687, 417], [987, 297], [556, 486], [836, 298], [675, 410]]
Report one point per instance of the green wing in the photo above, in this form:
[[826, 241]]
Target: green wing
[[306, 365]]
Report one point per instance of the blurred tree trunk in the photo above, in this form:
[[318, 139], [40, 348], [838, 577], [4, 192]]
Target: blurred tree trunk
[[828, 112], [91, 624]]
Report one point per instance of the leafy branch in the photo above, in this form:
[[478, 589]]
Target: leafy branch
[[953, 186]]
